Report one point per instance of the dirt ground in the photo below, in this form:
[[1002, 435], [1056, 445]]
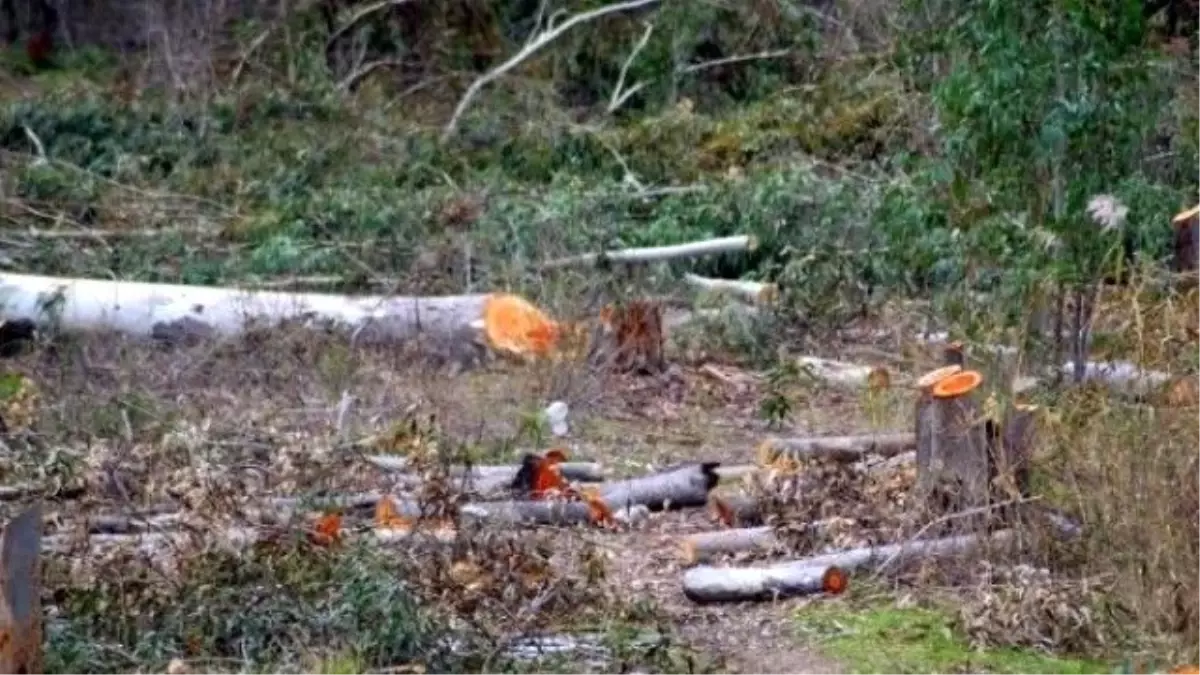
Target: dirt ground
[[267, 414]]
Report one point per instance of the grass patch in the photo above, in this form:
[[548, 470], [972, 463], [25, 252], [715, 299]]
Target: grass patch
[[882, 637]]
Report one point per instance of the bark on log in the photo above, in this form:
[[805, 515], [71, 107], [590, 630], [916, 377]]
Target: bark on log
[[850, 375], [175, 312], [702, 546], [735, 511], [20, 593], [659, 253], [584, 472], [707, 583], [841, 448], [530, 512], [753, 292], [681, 487]]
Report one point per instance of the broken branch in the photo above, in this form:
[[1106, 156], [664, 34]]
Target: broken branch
[[659, 253]]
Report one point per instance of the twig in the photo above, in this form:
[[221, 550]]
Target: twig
[[949, 517], [738, 58], [352, 80], [37, 145], [253, 47], [620, 93], [358, 18], [539, 40]]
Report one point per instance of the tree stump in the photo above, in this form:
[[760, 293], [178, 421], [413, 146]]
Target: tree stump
[[955, 475], [1015, 448], [924, 418], [1186, 246], [20, 594]]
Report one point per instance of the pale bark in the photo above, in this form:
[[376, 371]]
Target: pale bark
[[801, 577], [681, 487], [174, 312], [584, 472], [848, 375], [753, 292], [844, 448], [702, 546], [659, 253], [20, 593], [529, 512]]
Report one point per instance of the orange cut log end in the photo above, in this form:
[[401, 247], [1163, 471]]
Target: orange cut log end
[[514, 325], [556, 456], [327, 530], [959, 384], [834, 581], [1185, 669]]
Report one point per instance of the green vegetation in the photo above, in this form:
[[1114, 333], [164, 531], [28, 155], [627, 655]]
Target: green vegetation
[[885, 638]]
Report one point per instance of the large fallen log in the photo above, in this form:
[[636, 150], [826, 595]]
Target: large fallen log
[[840, 448], [20, 593], [176, 313], [680, 487], [659, 253], [549, 512], [707, 583]]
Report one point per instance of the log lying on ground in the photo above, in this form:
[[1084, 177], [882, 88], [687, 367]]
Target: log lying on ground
[[530, 512], [659, 253], [173, 312], [706, 583], [696, 548], [753, 292], [735, 511], [20, 593], [840, 448], [680, 487], [584, 472], [849, 375]]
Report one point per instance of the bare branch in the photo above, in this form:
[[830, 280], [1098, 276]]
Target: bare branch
[[541, 39], [620, 93], [739, 58]]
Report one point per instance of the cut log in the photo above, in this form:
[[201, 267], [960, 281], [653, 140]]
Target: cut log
[[21, 593], [680, 487], [175, 313], [959, 454], [707, 583], [840, 448], [530, 512], [659, 253], [105, 524], [848, 375], [699, 547], [753, 292], [923, 413], [735, 511], [584, 472]]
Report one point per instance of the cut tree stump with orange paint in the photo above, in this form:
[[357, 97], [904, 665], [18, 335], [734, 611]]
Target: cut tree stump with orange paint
[[20, 594], [954, 474]]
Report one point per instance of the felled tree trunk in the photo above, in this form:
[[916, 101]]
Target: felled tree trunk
[[735, 511], [840, 448], [20, 594], [699, 547], [682, 487], [955, 475], [530, 512], [800, 577]]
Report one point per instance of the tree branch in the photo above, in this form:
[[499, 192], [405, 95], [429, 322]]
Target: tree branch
[[539, 40]]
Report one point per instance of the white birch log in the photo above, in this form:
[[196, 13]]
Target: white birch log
[[753, 292], [680, 487], [585, 472], [529, 512], [702, 546], [173, 312], [848, 375], [842, 448], [732, 584], [659, 253]]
